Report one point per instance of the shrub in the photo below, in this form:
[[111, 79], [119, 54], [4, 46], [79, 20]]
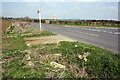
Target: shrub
[[10, 30]]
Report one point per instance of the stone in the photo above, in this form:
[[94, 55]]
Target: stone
[[28, 44], [30, 63], [57, 65]]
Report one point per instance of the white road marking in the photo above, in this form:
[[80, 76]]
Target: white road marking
[[104, 31], [89, 29], [92, 30], [110, 32], [84, 33], [99, 30], [82, 28], [93, 34], [86, 29], [67, 26], [117, 33]]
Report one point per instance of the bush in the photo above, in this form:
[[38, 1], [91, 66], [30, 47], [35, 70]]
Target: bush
[[10, 30]]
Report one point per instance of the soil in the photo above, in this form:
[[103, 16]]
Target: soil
[[45, 40], [5, 25]]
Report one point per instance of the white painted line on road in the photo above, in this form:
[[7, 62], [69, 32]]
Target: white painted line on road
[[104, 31], [99, 30], [84, 33], [117, 33], [86, 29], [67, 26], [82, 28], [91, 34], [110, 32], [94, 30], [89, 29]]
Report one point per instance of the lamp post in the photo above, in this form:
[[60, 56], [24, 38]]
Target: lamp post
[[39, 13]]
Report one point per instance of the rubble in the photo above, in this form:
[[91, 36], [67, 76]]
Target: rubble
[[27, 34], [57, 55], [30, 63], [27, 57], [84, 55], [28, 44], [57, 65]]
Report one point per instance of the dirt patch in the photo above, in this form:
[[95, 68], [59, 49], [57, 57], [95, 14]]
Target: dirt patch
[[45, 40], [5, 25]]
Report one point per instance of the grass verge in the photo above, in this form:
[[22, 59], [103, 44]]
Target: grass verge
[[22, 61]]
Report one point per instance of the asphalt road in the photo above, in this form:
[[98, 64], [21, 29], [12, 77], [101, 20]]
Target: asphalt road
[[107, 38]]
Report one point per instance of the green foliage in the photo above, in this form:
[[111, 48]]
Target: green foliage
[[47, 48], [14, 43], [29, 74], [101, 63], [68, 74], [10, 30], [104, 65], [18, 69], [13, 53], [68, 48]]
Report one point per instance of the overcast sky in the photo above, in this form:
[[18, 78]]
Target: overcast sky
[[89, 9]]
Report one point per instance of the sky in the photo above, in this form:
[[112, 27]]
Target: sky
[[87, 9]]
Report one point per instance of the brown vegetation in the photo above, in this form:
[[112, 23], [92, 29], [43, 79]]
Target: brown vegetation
[[5, 25]]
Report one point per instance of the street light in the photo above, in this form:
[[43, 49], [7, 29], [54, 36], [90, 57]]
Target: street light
[[39, 12]]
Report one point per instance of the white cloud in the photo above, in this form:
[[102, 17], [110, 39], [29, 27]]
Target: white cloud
[[60, 0]]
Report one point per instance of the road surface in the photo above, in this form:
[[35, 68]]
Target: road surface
[[107, 38]]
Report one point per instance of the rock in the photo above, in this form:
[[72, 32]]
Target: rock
[[26, 34], [29, 51], [28, 44], [28, 57], [86, 54], [57, 55], [30, 63], [80, 56], [76, 46], [57, 65]]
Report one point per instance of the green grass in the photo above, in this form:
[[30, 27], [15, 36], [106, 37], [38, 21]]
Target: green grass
[[101, 63], [13, 43], [17, 69]]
